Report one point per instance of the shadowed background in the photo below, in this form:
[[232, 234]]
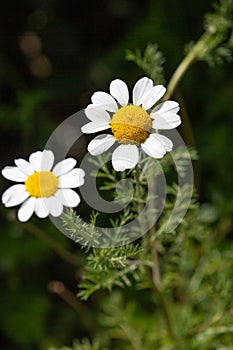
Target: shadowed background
[[53, 56]]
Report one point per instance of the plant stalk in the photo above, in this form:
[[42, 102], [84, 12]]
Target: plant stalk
[[52, 244], [191, 57], [156, 277]]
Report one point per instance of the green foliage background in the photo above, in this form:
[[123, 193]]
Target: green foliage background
[[75, 48]]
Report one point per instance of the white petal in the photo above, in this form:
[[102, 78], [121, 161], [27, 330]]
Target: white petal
[[93, 127], [167, 106], [35, 160], [152, 96], [64, 166], [17, 199], [153, 147], [165, 121], [26, 210], [100, 144], [75, 178], [119, 90], [166, 142], [47, 160], [125, 157], [140, 89], [11, 190], [95, 113], [68, 197], [42, 160], [41, 210], [104, 100], [14, 195], [13, 173], [24, 166], [55, 207]]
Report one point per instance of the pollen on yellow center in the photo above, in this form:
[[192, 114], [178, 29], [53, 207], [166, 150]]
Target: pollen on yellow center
[[131, 125], [42, 184]]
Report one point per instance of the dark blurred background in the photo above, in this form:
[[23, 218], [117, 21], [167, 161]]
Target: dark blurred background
[[53, 55]]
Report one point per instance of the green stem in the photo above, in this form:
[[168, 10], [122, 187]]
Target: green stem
[[191, 57], [139, 195], [137, 171], [52, 244], [157, 284], [155, 268]]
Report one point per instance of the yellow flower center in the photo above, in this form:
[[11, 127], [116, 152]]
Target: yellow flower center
[[131, 125], [42, 184]]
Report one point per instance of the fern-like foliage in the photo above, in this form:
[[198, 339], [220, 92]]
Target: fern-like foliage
[[111, 258], [218, 37], [93, 280], [80, 231], [150, 61], [84, 344], [219, 26]]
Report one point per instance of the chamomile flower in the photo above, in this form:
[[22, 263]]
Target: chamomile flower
[[40, 189], [132, 126]]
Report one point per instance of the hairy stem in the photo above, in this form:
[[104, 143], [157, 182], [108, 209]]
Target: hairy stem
[[191, 57]]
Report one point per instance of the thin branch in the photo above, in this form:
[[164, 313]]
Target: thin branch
[[203, 326], [156, 277], [52, 244], [155, 267], [69, 298], [138, 262], [184, 65]]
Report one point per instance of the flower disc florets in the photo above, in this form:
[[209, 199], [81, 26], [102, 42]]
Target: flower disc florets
[[42, 184], [41, 187], [131, 125]]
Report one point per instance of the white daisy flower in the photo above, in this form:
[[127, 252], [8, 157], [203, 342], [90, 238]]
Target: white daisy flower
[[40, 189], [132, 125]]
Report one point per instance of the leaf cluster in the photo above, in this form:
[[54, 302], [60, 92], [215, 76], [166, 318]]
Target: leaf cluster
[[151, 61], [218, 37]]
